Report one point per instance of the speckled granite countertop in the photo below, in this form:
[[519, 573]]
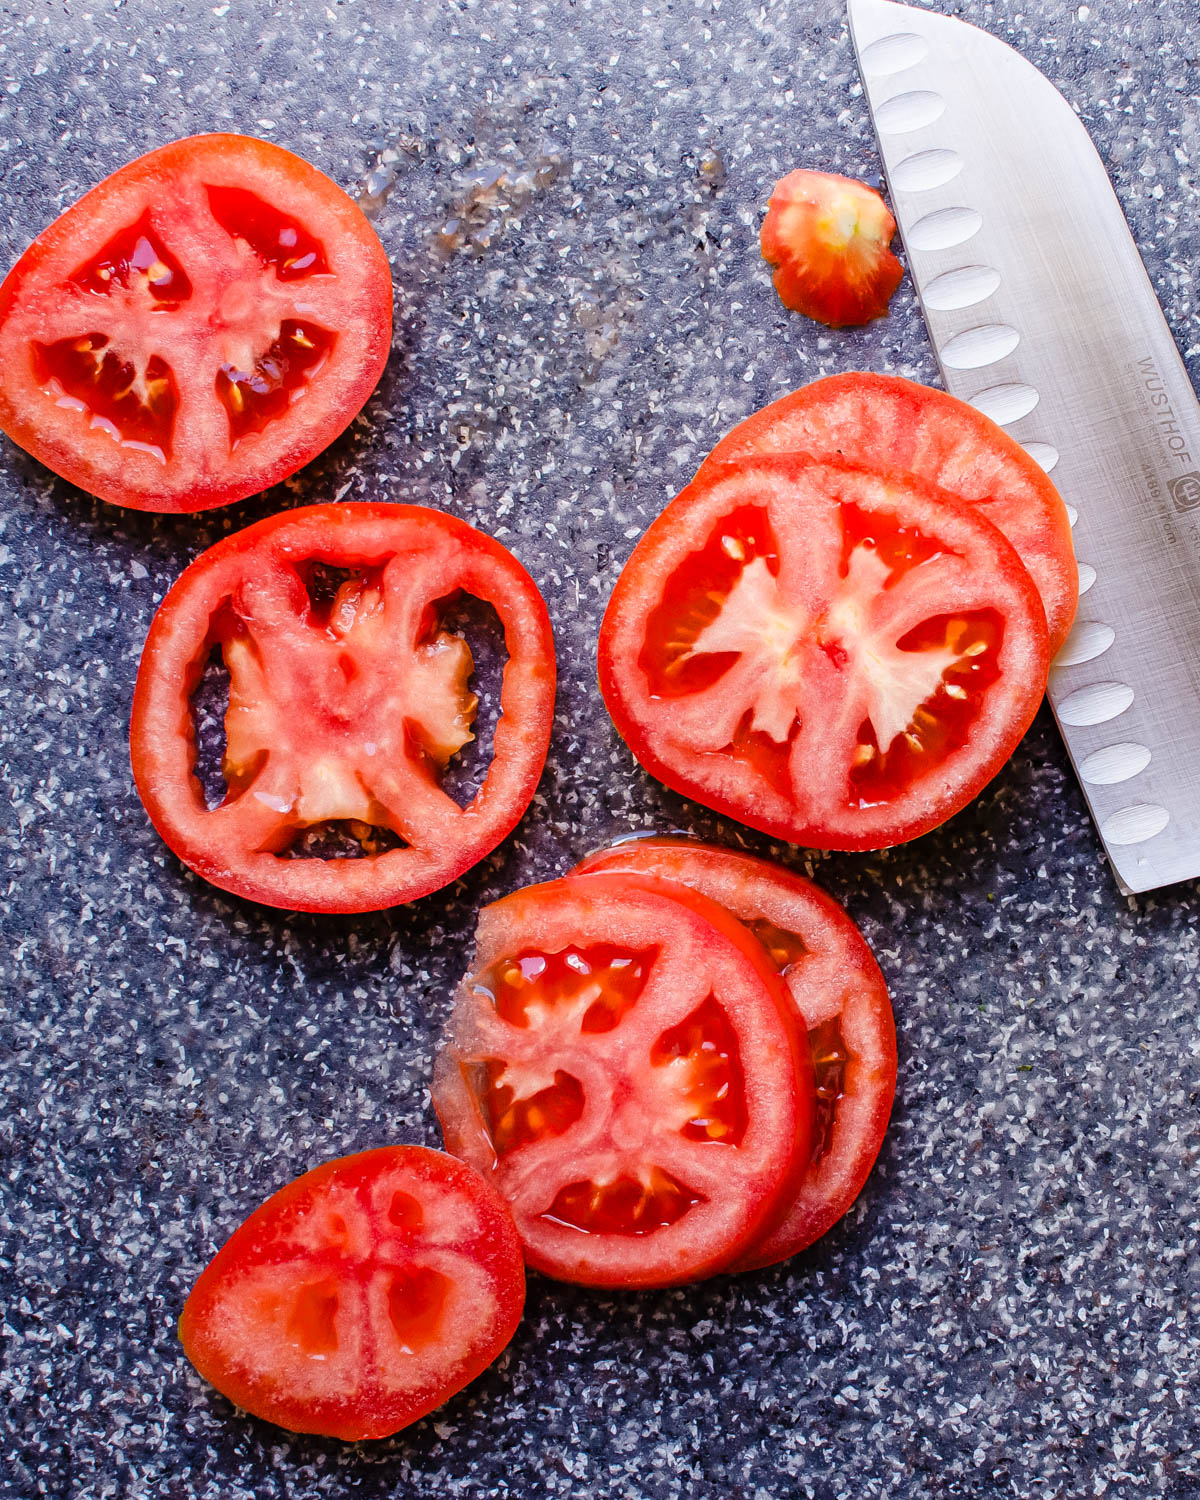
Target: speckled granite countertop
[[1013, 1308]]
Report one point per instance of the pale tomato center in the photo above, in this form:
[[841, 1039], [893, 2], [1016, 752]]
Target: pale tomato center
[[333, 703]]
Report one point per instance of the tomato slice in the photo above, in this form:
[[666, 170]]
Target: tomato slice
[[195, 328], [624, 1062], [360, 1296], [840, 997], [829, 236], [839, 658], [348, 702], [885, 423]]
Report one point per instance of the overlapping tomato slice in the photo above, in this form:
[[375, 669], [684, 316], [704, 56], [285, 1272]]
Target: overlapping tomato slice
[[624, 1063], [360, 1296], [838, 657], [195, 328], [842, 1001], [892, 425], [349, 698]]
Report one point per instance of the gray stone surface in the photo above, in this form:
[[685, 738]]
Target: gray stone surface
[[1013, 1308]]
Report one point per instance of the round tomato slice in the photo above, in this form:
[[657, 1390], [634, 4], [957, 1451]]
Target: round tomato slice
[[837, 657], [360, 1296], [885, 423], [195, 328], [840, 997], [348, 702], [624, 1062]]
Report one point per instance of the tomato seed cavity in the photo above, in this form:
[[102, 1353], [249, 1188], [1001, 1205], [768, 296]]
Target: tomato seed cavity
[[254, 398], [702, 1070], [626, 1205], [136, 407], [580, 989], [830, 1055], [416, 1301], [278, 240], [134, 259], [312, 1321]]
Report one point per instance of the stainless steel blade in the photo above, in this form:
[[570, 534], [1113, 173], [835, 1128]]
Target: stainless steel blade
[[1043, 316]]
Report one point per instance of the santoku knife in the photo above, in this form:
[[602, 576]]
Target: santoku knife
[[1042, 315]]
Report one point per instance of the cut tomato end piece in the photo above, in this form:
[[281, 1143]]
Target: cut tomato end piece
[[829, 236], [839, 997], [179, 339], [686, 1121], [360, 1296]]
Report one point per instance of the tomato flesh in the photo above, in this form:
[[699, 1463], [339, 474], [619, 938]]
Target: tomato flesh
[[836, 657], [626, 1065], [892, 425], [177, 339], [348, 701], [839, 996], [828, 236], [360, 1296]]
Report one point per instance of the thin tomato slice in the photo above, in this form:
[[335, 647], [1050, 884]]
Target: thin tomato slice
[[195, 328], [837, 657], [842, 1002], [885, 423], [360, 1296], [624, 1063], [349, 701]]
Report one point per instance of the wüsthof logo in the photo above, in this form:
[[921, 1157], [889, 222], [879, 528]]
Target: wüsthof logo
[[1185, 491]]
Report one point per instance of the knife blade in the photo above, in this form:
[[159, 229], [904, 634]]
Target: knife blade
[[1042, 315]]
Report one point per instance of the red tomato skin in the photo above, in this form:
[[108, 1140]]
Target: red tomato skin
[[496, 1249], [888, 423], [842, 278], [136, 480], [621, 638], [587, 1261], [751, 889], [161, 736]]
